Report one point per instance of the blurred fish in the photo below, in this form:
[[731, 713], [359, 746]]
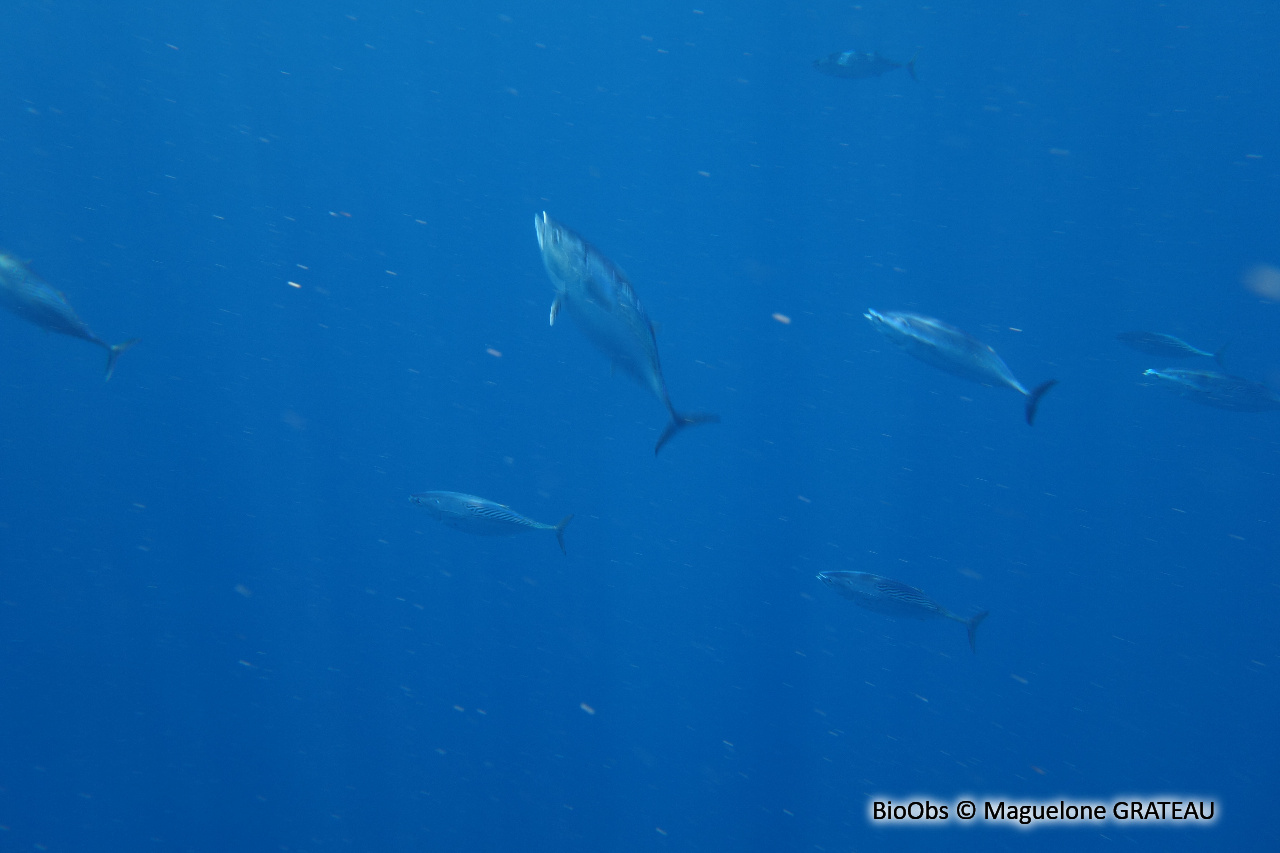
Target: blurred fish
[[893, 598], [1218, 389], [1165, 346], [26, 294], [948, 348], [482, 517], [860, 66], [598, 296]]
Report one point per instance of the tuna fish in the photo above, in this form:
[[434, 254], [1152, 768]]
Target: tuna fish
[[30, 297], [860, 66], [600, 299], [1218, 389], [960, 354], [893, 598], [482, 517], [1166, 346]]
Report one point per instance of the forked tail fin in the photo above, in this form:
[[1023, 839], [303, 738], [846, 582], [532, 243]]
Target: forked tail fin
[[911, 67], [1221, 354], [1033, 399], [972, 626], [680, 420], [113, 353], [564, 522]]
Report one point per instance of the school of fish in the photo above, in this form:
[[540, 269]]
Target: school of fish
[[601, 301]]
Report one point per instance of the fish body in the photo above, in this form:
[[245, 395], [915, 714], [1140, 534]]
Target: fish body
[[482, 517], [1218, 389], [954, 351], [599, 298], [894, 598], [860, 66], [1165, 346], [30, 297]]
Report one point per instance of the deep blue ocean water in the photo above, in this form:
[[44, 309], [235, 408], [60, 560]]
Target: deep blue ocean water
[[224, 627]]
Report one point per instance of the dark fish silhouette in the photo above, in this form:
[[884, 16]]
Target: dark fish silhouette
[[1218, 389], [30, 297], [894, 598], [482, 517], [598, 296], [1166, 346], [860, 66], [957, 352]]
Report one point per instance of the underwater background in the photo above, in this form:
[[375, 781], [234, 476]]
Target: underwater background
[[224, 626]]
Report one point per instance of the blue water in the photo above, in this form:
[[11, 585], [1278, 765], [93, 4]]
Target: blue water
[[224, 627]]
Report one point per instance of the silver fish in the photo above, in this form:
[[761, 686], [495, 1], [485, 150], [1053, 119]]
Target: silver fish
[[860, 66], [1165, 346], [1218, 389], [30, 297], [598, 296], [482, 517], [894, 598], [958, 353]]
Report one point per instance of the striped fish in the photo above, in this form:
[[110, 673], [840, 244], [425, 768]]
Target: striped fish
[[598, 296], [894, 598], [482, 517], [957, 352], [30, 297], [1218, 389], [1166, 346]]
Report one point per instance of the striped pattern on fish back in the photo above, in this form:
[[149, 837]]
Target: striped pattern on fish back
[[499, 513], [891, 590]]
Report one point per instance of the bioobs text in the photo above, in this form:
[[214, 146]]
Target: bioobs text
[[914, 810]]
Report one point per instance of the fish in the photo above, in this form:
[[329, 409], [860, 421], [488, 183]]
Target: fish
[[600, 299], [860, 66], [894, 598], [954, 351], [482, 517], [30, 297], [1218, 389], [1166, 346]]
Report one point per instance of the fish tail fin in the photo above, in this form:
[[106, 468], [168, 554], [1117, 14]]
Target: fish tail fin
[[911, 67], [971, 625], [1033, 399], [564, 522], [1221, 354], [113, 353], [680, 420]]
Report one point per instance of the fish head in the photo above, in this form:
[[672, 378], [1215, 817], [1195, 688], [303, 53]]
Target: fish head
[[563, 251], [886, 324], [432, 502]]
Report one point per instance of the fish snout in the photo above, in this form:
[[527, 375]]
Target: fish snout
[[539, 225]]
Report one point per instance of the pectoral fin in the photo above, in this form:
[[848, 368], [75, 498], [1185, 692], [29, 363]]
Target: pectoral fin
[[555, 310]]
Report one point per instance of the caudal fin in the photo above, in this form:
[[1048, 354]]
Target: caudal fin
[[680, 420], [1220, 355], [564, 522], [1033, 399], [972, 626], [113, 353], [911, 67]]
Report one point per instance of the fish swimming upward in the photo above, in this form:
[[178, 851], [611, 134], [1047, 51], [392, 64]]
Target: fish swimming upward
[[893, 598], [960, 354], [1218, 389], [482, 517], [599, 298], [860, 66], [26, 294], [1166, 346]]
